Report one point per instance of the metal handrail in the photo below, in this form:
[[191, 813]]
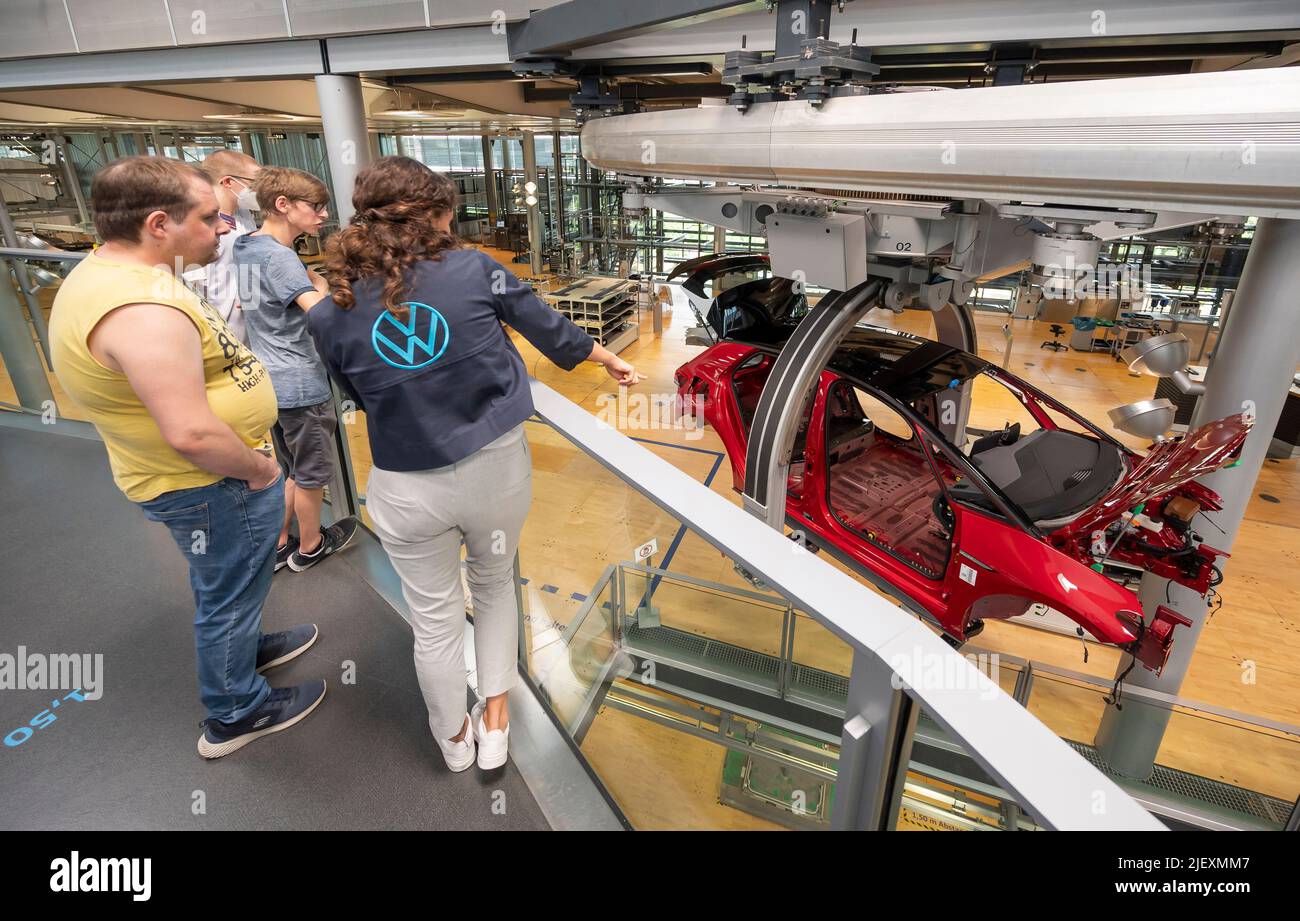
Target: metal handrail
[[1051, 781], [41, 255], [1146, 695]]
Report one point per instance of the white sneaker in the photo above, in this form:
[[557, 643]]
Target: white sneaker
[[459, 755], [491, 744]]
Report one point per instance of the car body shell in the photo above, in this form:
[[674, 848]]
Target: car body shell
[[998, 561]]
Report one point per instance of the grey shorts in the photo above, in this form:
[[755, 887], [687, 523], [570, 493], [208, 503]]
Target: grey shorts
[[304, 443]]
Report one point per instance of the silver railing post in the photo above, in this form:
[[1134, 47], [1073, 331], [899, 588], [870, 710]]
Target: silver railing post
[[880, 722]]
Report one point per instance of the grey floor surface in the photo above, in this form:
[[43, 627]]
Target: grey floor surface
[[82, 571]]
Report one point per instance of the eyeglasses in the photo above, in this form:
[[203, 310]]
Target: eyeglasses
[[318, 208]]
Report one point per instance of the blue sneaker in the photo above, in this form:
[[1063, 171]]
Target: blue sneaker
[[281, 710], [277, 648]]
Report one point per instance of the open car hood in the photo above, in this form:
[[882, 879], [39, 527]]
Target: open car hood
[[1166, 467]]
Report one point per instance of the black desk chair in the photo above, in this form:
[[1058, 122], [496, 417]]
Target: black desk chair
[[1057, 331]]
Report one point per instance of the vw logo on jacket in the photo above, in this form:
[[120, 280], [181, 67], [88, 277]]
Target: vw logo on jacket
[[418, 342]]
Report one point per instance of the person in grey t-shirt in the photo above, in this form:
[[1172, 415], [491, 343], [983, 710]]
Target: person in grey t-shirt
[[277, 291]]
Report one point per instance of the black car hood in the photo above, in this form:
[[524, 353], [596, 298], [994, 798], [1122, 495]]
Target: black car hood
[[698, 272]]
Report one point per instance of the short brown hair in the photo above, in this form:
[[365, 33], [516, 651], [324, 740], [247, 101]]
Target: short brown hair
[[274, 181], [128, 190], [226, 162]]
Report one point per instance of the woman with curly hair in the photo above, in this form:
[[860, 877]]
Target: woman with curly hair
[[412, 332]]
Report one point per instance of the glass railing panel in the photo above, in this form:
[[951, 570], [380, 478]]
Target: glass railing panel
[[45, 277], [1247, 770], [663, 758], [355, 437], [1222, 768], [946, 788], [1073, 710], [670, 683], [711, 630], [820, 665], [569, 654]]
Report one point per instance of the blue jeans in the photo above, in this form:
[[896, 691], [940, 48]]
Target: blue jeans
[[228, 535]]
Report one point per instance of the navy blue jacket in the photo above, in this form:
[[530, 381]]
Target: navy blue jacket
[[449, 380]]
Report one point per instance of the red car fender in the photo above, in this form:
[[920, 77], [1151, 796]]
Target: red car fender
[[1003, 560]]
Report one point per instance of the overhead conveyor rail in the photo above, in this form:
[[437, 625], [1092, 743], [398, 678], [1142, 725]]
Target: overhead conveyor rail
[[1219, 143]]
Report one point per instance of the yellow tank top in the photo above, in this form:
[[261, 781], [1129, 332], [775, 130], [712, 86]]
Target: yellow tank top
[[238, 387]]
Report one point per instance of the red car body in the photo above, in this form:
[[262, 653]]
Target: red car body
[[931, 526]]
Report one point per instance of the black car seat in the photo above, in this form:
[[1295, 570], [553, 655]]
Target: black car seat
[[1051, 474]]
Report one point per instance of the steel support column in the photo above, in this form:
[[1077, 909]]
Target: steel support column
[[72, 179], [1254, 360], [533, 211], [21, 357], [347, 144], [557, 204], [490, 186], [585, 223], [10, 238], [954, 325]]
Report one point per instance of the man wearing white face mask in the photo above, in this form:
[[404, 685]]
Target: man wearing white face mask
[[233, 175]]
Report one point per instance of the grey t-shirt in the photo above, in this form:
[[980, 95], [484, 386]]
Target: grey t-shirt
[[271, 276]]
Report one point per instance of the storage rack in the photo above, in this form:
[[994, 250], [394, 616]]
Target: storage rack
[[604, 307]]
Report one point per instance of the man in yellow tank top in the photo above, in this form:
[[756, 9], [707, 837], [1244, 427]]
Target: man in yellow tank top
[[182, 407]]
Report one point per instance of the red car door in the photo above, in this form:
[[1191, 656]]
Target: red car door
[[870, 491]]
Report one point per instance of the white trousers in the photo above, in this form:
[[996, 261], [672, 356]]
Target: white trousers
[[422, 517]]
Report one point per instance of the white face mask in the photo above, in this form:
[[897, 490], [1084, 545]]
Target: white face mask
[[247, 199]]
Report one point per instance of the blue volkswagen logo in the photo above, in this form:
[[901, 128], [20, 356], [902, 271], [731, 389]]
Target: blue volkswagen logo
[[425, 331]]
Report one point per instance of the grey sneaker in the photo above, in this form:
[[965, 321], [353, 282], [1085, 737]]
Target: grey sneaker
[[332, 540]]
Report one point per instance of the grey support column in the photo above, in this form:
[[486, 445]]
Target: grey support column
[[490, 185], [655, 254], [73, 180], [584, 208], [9, 236], [107, 147], [21, 357], [955, 325], [347, 149], [156, 137], [1253, 363], [557, 203], [534, 211], [347, 146]]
